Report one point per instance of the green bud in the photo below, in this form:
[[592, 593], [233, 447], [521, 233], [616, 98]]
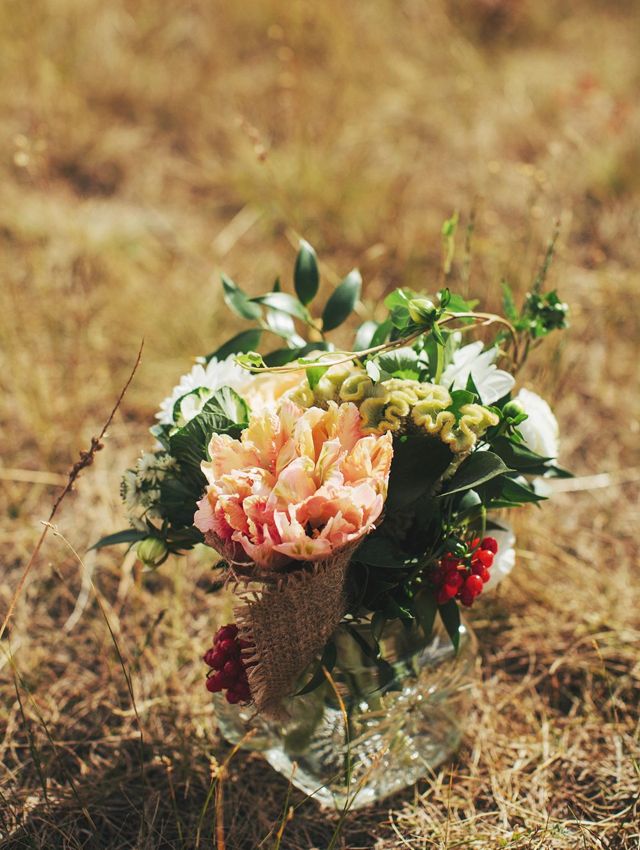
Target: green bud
[[151, 551], [422, 311], [513, 410]]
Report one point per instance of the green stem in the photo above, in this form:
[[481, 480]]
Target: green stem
[[439, 363]]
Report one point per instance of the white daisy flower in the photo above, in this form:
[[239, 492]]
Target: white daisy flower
[[492, 383], [211, 376]]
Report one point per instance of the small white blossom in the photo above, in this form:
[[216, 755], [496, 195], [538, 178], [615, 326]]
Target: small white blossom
[[492, 383], [129, 491], [151, 468], [540, 429]]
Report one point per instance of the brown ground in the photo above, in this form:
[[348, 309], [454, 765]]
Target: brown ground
[[147, 145]]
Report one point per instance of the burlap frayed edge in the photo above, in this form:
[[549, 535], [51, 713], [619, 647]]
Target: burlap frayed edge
[[276, 657]]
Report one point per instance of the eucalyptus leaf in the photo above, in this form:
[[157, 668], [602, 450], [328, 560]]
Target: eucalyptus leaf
[[284, 303], [364, 335], [237, 301], [306, 277], [241, 343], [282, 356], [342, 301]]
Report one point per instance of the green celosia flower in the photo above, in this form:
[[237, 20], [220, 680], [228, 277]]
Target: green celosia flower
[[400, 406]]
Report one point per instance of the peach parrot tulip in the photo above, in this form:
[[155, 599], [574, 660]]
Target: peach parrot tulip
[[298, 484]]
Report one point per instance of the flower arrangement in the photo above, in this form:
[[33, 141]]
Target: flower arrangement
[[345, 486]]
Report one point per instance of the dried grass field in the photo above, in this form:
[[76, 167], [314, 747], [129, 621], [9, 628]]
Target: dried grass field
[[147, 146]]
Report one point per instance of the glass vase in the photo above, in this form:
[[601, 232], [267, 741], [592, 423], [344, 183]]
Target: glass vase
[[377, 725]]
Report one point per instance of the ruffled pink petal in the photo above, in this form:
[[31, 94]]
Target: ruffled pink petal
[[227, 455], [370, 459], [264, 554], [328, 468], [299, 484], [349, 425], [295, 483]]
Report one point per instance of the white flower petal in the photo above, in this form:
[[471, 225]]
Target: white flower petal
[[540, 430], [459, 370], [492, 384], [505, 558]]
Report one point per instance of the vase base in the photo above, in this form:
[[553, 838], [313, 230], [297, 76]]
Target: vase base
[[387, 775]]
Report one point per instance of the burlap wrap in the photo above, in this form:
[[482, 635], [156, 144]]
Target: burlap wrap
[[287, 619]]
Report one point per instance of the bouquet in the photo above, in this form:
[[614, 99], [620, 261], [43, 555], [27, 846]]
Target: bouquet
[[345, 486]]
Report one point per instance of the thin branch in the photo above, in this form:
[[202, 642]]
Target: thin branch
[[482, 319], [86, 459]]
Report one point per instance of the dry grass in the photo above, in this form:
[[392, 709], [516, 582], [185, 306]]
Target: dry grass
[[145, 146]]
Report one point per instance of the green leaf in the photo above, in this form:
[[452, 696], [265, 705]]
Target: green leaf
[[425, 607], [129, 535], [517, 493], [342, 301], [554, 471], [284, 303], [306, 277], [161, 433], [179, 496], [457, 304], [480, 467], [450, 615], [385, 671], [232, 405], [418, 463], [250, 360], [401, 363], [224, 413], [241, 343], [282, 356], [380, 551], [508, 304], [327, 661], [199, 394], [400, 317], [364, 335], [518, 456], [237, 301], [458, 399], [381, 334], [314, 373], [282, 325], [398, 298]]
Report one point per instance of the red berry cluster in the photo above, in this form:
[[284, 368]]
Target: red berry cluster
[[464, 577], [228, 672]]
